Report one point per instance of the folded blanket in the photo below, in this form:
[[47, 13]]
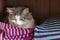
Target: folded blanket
[[49, 30], [15, 33]]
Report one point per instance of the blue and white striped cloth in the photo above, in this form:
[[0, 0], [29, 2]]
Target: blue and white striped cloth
[[48, 30]]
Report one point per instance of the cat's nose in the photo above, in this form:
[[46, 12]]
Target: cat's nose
[[19, 22]]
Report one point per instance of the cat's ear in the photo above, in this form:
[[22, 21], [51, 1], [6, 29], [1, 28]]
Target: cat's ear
[[26, 10], [9, 10]]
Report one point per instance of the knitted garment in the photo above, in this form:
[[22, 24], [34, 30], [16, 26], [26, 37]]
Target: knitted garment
[[15, 33]]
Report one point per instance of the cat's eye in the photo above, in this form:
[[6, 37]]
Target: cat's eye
[[13, 19], [22, 19]]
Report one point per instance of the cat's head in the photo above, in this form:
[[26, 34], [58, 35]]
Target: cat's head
[[19, 16]]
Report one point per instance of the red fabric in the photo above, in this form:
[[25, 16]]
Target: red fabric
[[15, 33]]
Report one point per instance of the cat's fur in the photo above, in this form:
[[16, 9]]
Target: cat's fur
[[20, 17]]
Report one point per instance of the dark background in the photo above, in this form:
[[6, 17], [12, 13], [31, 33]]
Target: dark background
[[41, 9]]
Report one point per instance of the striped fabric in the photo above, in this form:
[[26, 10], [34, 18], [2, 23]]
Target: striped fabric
[[48, 30], [15, 33]]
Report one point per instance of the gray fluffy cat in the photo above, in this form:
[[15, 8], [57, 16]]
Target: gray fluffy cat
[[20, 17]]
